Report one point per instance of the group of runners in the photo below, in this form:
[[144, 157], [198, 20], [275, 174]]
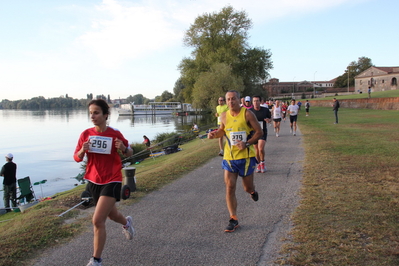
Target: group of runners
[[243, 127], [243, 123]]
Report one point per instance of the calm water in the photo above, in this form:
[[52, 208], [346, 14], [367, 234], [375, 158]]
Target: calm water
[[43, 142]]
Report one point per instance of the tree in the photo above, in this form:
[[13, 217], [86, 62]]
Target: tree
[[354, 68], [166, 96], [214, 83], [178, 90], [138, 99], [222, 38]]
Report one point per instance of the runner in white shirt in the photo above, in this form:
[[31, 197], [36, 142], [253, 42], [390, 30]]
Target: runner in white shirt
[[277, 114], [293, 110]]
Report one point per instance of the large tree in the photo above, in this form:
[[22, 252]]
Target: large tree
[[212, 84], [222, 38], [354, 68]]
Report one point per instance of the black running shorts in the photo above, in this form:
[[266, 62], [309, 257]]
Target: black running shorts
[[112, 190]]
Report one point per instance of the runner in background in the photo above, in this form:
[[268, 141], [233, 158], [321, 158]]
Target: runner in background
[[263, 117], [221, 108]]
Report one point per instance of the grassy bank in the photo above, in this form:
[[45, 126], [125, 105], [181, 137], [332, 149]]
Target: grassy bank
[[348, 214], [24, 234], [377, 94]]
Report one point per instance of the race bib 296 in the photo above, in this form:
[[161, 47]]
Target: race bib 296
[[102, 145]]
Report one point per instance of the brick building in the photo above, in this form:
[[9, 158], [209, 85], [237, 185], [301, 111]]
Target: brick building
[[275, 88], [378, 78]]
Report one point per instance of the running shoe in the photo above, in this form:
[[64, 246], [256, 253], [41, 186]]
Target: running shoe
[[276, 134], [221, 153], [291, 130], [258, 168], [129, 230], [294, 133], [255, 196], [263, 167], [233, 224], [93, 262]]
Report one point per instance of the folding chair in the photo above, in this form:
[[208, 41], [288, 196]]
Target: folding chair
[[25, 190]]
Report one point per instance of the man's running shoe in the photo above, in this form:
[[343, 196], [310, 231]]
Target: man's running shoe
[[233, 224], [221, 153], [294, 133], [291, 130], [255, 196], [93, 262], [258, 168], [263, 167], [129, 230]]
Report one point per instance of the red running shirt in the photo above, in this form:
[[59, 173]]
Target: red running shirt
[[103, 161]]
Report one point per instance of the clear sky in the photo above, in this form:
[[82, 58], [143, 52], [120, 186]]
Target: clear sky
[[57, 47]]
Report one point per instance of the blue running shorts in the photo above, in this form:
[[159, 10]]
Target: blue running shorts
[[244, 167]]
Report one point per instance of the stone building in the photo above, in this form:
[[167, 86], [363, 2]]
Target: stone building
[[378, 78]]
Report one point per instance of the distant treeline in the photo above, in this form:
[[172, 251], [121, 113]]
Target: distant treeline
[[43, 103]]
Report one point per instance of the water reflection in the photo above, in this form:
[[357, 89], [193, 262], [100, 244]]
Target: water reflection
[[43, 141]]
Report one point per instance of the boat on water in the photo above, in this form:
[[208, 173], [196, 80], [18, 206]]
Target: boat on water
[[155, 108]]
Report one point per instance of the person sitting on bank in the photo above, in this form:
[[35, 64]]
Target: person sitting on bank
[[195, 128], [146, 141]]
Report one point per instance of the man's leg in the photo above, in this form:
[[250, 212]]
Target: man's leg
[[336, 116], [277, 129], [230, 180], [6, 196], [248, 183]]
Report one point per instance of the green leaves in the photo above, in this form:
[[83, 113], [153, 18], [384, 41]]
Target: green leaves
[[221, 59]]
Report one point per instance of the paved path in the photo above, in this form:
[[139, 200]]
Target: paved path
[[183, 223]]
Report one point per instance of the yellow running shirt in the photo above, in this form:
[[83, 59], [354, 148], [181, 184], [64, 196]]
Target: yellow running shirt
[[236, 128], [220, 109]]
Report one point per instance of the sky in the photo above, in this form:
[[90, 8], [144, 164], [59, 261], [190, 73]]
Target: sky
[[121, 48]]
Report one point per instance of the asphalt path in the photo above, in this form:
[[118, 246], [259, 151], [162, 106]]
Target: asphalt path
[[183, 223]]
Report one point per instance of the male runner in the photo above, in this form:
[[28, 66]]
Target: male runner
[[221, 108], [263, 117], [239, 155]]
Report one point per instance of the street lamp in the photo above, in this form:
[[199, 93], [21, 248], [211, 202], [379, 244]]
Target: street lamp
[[314, 80]]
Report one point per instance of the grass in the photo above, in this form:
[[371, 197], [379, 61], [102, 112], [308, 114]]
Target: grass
[[349, 198], [350, 195], [377, 94], [40, 227]]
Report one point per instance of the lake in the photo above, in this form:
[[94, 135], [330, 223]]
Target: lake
[[43, 141]]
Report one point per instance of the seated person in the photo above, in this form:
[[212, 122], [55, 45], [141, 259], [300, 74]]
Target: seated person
[[146, 141]]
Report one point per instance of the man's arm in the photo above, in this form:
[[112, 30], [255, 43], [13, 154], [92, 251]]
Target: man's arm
[[2, 171], [219, 133]]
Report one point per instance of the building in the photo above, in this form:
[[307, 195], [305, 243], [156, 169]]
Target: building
[[276, 88], [378, 78]]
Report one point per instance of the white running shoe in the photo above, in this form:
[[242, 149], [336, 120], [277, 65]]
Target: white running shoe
[[263, 167], [129, 231], [93, 262], [294, 133]]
